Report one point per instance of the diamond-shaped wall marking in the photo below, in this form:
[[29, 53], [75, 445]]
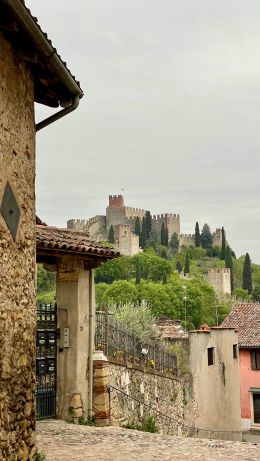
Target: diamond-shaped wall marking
[[10, 210]]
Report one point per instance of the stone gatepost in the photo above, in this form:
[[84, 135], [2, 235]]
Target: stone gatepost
[[75, 293], [100, 389]]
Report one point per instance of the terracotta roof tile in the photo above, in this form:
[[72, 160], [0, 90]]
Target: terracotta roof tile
[[245, 318], [68, 241]]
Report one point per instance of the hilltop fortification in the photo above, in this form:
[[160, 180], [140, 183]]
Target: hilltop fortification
[[119, 214]]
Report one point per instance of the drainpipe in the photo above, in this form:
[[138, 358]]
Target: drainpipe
[[91, 344], [58, 115], [49, 54]]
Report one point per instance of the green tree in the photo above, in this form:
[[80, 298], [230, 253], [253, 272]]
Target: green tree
[[206, 238], [241, 293], [256, 293], [187, 265], [137, 230], [138, 319], [247, 274], [229, 264], [174, 243], [120, 292], [137, 272], [166, 237], [197, 235], [111, 234], [148, 223], [163, 236], [178, 266], [143, 233], [223, 244]]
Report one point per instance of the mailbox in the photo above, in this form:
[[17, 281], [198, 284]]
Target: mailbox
[[51, 337], [41, 366], [50, 365], [41, 338]]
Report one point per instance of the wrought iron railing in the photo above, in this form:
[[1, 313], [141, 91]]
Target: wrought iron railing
[[122, 347]]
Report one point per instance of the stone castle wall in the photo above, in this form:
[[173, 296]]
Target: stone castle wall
[[17, 260], [126, 240], [220, 279]]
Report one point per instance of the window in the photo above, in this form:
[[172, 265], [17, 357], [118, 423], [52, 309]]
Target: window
[[255, 359], [210, 356], [234, 351]]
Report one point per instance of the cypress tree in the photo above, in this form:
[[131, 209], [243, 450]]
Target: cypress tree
[[137, 273], [178, 267], [111, 234], [166, 237], [137, 230], [206, 238], [247, 274], [162, 234], [223, 244], [174, 243], [229, 264], [143, 234], [187, 265], [164, 278], [197, 235], [148, 222]]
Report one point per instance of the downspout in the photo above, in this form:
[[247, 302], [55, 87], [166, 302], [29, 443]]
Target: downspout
[[91, 344], [50, 54], [58, 115]]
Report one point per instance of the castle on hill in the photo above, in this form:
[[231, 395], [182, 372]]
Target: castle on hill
[[123, 219]]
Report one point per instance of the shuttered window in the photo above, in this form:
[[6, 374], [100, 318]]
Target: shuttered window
[[255, 359]]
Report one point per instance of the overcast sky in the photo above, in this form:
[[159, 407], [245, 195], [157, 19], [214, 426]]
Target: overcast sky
[[171, 112]]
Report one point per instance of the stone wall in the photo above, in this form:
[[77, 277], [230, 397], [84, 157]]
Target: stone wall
[[170, 396], [17, 259]]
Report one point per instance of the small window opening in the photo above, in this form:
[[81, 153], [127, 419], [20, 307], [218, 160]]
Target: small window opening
[[234, 351], [210, 356]]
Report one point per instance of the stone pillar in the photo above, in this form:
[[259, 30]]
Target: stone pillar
[[73, 301], [100, 390], [17, 256]]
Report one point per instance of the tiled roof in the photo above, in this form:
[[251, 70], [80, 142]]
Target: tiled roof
[[67, 241], [246, 319]]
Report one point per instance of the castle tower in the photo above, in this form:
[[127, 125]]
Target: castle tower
[[220, 279], [115, 211]]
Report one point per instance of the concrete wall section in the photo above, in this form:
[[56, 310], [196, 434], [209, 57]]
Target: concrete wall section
[[17, 259], [73, 301]]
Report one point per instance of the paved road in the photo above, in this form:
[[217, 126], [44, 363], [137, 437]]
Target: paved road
[[60, 441]]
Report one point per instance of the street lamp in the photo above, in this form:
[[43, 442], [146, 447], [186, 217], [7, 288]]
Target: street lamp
[[185, 306]]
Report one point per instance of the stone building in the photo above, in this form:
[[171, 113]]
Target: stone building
[[126, 241], [30, 71], [220, 279], [214, 366]]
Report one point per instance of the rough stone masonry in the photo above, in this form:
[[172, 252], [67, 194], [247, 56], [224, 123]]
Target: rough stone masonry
[[17, 259]]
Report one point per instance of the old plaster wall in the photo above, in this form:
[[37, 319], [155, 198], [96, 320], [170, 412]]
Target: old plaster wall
[[75, 292], [17, 259], [169, 396], [216, 386]]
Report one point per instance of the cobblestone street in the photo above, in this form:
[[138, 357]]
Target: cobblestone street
[[60, 441]]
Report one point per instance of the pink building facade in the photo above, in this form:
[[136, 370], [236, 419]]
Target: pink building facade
[[245, 318]]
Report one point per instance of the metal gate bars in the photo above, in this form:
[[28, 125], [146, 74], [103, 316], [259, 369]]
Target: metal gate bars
[[46, 351]]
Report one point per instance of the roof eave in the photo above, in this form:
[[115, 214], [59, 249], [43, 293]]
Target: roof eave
[[44, 46]]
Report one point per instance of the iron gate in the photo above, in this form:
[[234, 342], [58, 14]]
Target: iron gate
[[46, 352]]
